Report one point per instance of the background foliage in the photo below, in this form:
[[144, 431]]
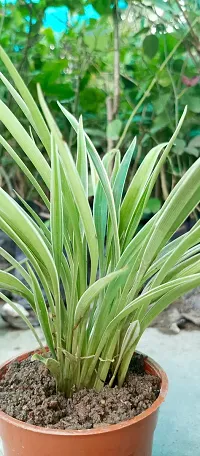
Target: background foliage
[[71, 47]]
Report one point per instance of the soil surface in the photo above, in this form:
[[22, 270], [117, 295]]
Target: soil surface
[[28, 393]]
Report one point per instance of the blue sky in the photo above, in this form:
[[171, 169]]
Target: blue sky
[[56, 17]]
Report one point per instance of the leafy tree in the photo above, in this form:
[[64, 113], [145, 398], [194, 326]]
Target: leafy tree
[[102, 67]]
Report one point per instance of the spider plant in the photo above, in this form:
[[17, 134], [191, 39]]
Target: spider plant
[[115, 278]]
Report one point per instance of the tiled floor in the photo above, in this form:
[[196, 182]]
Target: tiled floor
[[177, 433]]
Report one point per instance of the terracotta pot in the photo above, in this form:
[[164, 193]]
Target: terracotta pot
[[128, 438]]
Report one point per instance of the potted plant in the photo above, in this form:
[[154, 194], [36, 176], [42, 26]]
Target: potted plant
[[114, 278]]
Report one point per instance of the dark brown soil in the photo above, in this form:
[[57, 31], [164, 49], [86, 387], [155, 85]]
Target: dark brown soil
[[28, 393]]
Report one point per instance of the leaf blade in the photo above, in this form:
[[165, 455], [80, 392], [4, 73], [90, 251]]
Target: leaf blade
[[56, 211], [27, 97]]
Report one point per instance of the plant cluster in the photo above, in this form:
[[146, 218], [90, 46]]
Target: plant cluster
[[93, 279]]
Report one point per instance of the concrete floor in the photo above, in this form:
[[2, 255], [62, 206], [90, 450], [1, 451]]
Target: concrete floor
[[177, 433]]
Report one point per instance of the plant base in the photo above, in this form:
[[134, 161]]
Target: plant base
[[128, 438]]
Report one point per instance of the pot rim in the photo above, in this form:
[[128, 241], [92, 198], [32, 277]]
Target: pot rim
[[151, 366]]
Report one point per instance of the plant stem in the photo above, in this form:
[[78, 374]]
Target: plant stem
[[175, 97], [151, 85], [182, 92], [7, 181]]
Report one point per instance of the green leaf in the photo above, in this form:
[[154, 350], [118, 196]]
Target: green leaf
[[168, 41], [15, 264], [93, 175], [25, 142], [150, 46], [22, 228], [119, 182], [60, 92], [102, 6], [38, 222], [94, 156], [153, 206], [159, 123], [91, 99], [56, 211], [179, 146], [42, 312], [126, 354], [116, 165], [161, 102], [136, 217], [49, 34], [195, 142], [51, 70], [19, 100], [90, 41], [44, 276], [114, 129], [95, 132], [28, 99], [104, 319], [92, 292], [185, 244], [192, 151], [76, 187], [128, 310], [9, 282], [177, 65], [25, 170], [100, 212], [144, 232], [142, 198], [82, 163], [137, 186], [164, 79], [72, 224], [193, 103], [131, 335], [182, 200]]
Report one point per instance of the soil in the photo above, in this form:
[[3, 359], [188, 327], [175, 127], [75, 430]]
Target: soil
[[28, 393]]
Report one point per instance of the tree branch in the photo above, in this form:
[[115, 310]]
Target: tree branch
[[116, 61], [109, 110], [196, 41], [75, 108]]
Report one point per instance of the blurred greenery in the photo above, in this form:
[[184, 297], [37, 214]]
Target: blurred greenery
[[76, 67]]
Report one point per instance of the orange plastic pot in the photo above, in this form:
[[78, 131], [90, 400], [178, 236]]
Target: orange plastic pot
[[128, 438]]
